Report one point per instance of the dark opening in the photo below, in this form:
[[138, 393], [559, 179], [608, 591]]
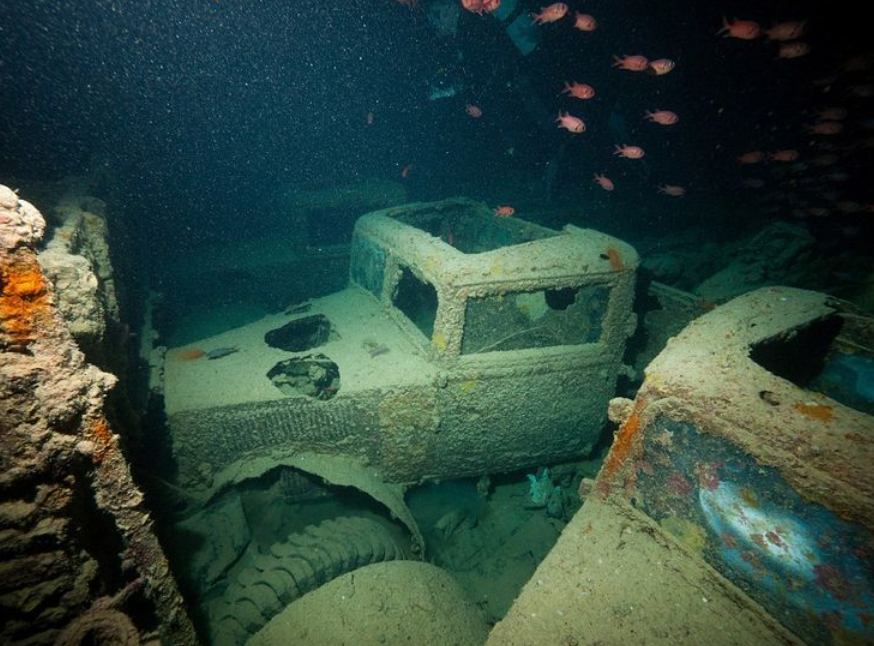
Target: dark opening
[[301, 334], [561, 299], [798, 355], [417, 299], [314, 376], [472, 234]]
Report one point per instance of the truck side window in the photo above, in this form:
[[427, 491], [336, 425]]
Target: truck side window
[[368, 265], [537, 319], [417, 299]]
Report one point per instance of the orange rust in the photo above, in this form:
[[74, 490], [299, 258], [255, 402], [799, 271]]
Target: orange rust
[[624, 443], [24, 300], [189, 355], [101, 435], [819, 412], [616, 262]]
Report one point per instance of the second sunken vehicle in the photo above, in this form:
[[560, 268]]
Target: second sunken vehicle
[[464, 344]]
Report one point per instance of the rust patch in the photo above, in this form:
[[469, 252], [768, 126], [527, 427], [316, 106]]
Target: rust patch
[[189, 355], [819, 412], [24, 301], [624, 442], [101, 435], [615, 258], [829, 578], [678, 485]]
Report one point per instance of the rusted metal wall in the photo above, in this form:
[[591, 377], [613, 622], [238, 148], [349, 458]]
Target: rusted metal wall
[[79, 558]]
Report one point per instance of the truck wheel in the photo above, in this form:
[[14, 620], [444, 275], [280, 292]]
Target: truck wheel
[[293, 567]]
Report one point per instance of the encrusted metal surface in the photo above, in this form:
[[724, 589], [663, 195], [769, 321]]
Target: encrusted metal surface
[[408, 401]]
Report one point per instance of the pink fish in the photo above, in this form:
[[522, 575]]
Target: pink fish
[[673, 191], [786, 31], [662, 117], [826, 128], [661, 66], [793, 50], [604, 182], [571, 123], [579, 90], [585, 22], [552, 13], [504, 211], [481, 6], [742, 29], [629, 152], [752, 157], [631, 63]]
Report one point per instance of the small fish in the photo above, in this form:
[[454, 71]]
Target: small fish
[[585, 22], [662, 117], [793, 50], [752, 157], [473, 110], [570, 123], [555, 11], [579, 90], [673, 191], [504, 211], [218, 353], [438, 93], [742, 29], [634, 63], [786, 31], [405, 173], [826, 128], [661, 66], [629, 152], [375, 349], [480, 6], [298, 308], [604, 182]]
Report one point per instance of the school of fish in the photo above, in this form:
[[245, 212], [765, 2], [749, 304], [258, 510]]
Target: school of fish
[[827, 123]]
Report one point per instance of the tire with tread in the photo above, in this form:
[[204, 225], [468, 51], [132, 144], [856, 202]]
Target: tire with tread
[[295, 566]]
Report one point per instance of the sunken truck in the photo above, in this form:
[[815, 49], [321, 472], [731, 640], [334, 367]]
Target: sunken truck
[[464, 344]]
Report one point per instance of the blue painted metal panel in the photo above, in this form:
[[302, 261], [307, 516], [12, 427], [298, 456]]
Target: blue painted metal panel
[[809, 568], [367, 262]]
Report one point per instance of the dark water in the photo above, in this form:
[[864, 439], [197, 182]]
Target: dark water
[[206, 110]]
